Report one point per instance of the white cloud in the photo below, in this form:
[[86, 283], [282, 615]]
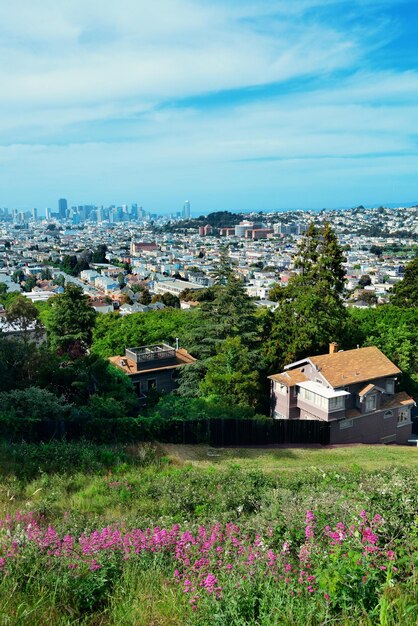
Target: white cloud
[[89, 87]]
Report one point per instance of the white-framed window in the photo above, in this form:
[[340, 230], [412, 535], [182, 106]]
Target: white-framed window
[[387, 414], [404, 417], [371, 402], [335, 404], [313, 398], [346, 424], [279, 388], [390, 386]]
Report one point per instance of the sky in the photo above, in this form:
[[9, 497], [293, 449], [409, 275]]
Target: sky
[[231, 104]]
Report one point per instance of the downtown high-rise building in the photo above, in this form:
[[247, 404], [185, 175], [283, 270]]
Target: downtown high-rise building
[[186, 210], [62, 208]]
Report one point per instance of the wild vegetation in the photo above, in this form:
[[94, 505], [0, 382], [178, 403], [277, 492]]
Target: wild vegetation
[[103, 535], [94, 534]]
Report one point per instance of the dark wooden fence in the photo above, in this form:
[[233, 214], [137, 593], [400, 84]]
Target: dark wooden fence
[[246, 432], [217, 432]]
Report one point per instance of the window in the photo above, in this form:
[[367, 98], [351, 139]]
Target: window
[[371, 403], [336, 404], [404, 417], [151, 384], [390, 386], [388, 414], [313, 398], [346, 424]]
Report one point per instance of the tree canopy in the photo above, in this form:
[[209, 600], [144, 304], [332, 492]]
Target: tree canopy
[[405, 293], [71, 321]]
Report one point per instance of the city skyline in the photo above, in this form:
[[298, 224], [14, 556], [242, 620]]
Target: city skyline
[[261, 106]]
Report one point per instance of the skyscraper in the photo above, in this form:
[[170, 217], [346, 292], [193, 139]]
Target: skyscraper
[[34, 214], [62, 208], [186, 210]]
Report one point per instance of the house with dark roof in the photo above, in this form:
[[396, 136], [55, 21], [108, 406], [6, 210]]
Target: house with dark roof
[[355, 391], [153, 367]]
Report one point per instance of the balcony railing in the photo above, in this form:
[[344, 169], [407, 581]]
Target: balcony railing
[[145, 354]]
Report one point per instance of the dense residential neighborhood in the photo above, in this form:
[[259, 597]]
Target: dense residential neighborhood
[[239, 302], [171, 256]]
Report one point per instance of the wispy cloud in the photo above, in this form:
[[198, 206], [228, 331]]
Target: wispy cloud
[[178, 89]]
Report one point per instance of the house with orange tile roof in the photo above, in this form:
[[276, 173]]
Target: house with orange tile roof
[[355, 391], [153, 367]]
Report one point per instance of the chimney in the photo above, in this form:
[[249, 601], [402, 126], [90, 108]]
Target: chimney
[[333, 347]]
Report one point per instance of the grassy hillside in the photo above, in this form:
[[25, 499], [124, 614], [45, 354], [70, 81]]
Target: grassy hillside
[[249, 537], [343, 457]]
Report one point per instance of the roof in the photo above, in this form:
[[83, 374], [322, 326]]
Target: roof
[[400, 399], [354, 366], [130, 367], [324, 392], [290, 378], [366, 389]]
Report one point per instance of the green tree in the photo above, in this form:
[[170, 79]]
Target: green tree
[[405, 292], [223, 271], [311, 311], [46, 274], [33, 402], [71, 322], [365, 280], [320, 259], [23, 316], [99, 255], [59, 280], [230, 314], [29, 283], [230, 374], [145, 297], [168, 299]]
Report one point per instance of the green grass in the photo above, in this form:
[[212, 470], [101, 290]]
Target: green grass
[[348, 457]]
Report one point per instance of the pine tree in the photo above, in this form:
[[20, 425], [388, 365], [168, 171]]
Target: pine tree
[[311, 312]]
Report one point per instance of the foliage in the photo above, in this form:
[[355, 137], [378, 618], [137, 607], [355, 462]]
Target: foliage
[[168, 299], [99, 255], [23, 316], [311, 311], [113, 333], [20, 408], [230, 314], [365, 280], [71, 322], [148, 540], [393, 330], [405, 292], [231, 374]]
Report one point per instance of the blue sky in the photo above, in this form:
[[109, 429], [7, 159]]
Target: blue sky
[[239, 105]]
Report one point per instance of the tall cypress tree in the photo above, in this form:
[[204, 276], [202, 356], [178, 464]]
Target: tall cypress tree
[[311, 310]]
